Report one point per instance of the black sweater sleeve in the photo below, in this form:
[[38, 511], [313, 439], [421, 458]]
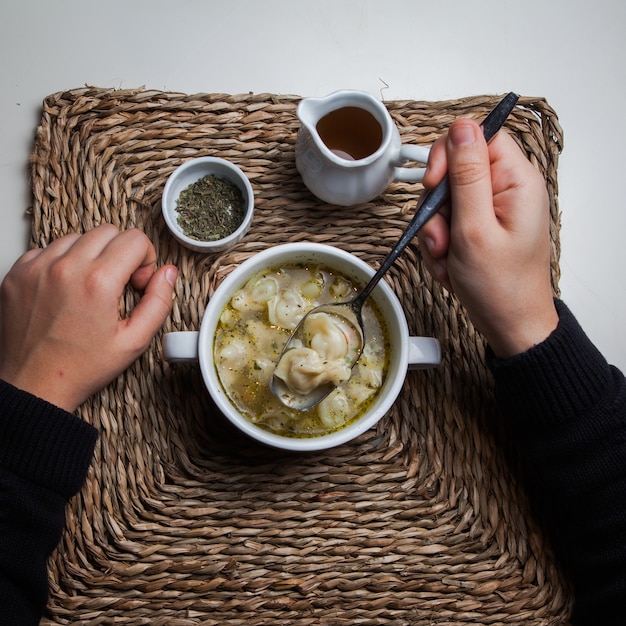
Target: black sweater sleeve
[[565, 410], [45, 454]]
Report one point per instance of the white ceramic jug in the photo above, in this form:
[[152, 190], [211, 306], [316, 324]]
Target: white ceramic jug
[[348, 149]]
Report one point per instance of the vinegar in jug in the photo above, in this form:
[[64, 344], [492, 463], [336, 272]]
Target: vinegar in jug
[[351, 133]]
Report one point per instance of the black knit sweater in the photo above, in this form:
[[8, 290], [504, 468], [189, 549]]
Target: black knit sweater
[[564, 409], [565, 412], [44, 458]]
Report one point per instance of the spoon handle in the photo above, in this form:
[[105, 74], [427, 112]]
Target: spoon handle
[[433, 199]]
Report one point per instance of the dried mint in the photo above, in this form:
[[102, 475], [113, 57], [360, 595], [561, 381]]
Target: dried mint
[[211, 208]]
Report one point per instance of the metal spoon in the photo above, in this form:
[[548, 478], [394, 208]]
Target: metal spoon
[[348, 314]]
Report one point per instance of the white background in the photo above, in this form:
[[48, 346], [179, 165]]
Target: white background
[[572, 52]]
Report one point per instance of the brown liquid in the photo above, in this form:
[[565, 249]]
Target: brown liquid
[[350, 132]]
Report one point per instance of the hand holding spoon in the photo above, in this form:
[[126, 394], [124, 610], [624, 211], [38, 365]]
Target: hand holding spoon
[[347, 315]]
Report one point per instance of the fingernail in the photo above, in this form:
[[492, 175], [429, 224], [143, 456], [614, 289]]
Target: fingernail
[[462, 134], [171, 274], [430, 243]]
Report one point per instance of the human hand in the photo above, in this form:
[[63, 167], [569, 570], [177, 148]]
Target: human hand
[[61, 336], [491, 245]]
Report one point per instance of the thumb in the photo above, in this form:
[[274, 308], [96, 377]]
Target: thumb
[[469, 175], [154, 307]]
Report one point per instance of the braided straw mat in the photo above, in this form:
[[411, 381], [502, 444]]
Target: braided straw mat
[[183, 521]]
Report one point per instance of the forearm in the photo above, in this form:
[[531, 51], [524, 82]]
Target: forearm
[[44, 457], [565, 410]]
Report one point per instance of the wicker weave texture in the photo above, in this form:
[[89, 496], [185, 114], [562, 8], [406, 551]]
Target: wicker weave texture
[[182, 521]]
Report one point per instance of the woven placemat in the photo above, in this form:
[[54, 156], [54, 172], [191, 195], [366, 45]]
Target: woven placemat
[[182, 521]]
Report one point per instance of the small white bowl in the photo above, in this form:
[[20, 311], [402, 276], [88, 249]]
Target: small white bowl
[[187, 174]]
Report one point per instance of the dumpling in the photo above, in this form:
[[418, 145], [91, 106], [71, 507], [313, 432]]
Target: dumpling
[[325, 337], [341, 289], [314, 287], [334, 410], [359, 393], [286, 309], [304, 369], [255, 293], [371, 376], [232, 359], [261, 370], [370, 366], [264, 289]]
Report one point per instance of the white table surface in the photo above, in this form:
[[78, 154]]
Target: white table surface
[[572, 52]]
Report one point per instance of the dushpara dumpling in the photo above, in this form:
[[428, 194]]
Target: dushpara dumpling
[[231, 359], [255, 293], [286, 309], [304, 369], [325, 337]]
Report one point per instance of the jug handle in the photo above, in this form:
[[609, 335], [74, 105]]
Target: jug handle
[[411, 153]]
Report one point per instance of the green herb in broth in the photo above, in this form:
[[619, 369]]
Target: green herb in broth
[[255, 325]]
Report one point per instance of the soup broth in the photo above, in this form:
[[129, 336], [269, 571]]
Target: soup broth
[[254, 327]]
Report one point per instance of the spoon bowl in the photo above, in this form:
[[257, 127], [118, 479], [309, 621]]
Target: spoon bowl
[[347, 317]]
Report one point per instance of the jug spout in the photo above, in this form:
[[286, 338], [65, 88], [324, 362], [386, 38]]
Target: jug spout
[[309, 112]]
